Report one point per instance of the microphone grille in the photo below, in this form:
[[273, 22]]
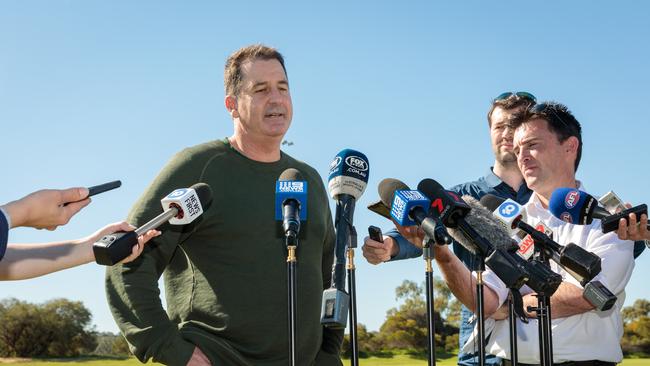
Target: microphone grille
[[204, 192], [387, 188]]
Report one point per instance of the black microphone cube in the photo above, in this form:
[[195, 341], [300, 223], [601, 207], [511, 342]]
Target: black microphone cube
[[580, 261], [113, 248], [542, 280]]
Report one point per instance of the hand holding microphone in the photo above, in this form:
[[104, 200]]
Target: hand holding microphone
[[181, 207]]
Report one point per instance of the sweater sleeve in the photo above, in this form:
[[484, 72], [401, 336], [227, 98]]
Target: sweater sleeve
[[132, 288]]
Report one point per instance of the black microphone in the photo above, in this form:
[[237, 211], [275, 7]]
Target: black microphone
[[573, 257], [181, 207], [580, 208], [291, 202], [409, 207]]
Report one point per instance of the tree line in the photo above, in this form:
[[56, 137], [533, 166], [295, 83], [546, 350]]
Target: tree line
[[63, 328]]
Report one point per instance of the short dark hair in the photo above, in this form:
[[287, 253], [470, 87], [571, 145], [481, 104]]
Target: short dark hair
[[560, 121], [512, 102], [233, 74]]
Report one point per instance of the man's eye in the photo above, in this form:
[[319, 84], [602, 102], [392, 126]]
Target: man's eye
[[260, 90]]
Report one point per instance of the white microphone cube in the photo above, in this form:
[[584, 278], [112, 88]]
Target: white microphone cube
[[188, 204]]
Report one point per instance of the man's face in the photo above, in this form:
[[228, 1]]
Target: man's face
[[545, 163], [263, 105], [501, 135]]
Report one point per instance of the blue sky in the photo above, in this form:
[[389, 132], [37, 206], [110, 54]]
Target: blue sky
[[94, 91]]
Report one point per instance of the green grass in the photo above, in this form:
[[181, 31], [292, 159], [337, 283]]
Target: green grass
[[402, 360]]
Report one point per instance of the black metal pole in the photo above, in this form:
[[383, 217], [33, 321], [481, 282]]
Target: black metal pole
[[512, 321], [480, 309], [352, 289], [291, 300], [431, 329]]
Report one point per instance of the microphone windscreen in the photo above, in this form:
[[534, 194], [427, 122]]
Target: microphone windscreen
[[572, 205], [348, 174], [204, 192], [387, 188], [486, 225], [431, 188], [491, 202], [291, 174]]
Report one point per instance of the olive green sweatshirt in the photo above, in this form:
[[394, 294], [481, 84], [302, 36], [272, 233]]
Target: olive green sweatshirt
[[225, 274]]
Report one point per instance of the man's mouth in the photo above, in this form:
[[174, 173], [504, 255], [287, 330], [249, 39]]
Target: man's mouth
[[274, 115]]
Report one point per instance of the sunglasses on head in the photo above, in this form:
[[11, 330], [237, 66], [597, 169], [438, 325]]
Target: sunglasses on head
[[543, 108], [522, 94]]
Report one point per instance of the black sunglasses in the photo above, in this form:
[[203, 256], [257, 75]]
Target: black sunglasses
[[543, 108], [521, 94]]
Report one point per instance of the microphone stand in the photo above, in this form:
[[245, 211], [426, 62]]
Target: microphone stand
[[543, 312], [352, 289], [291, 240], [480, 303], [427, 254]]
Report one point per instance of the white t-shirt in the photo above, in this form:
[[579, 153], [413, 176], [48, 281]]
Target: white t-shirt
[[594, 335]]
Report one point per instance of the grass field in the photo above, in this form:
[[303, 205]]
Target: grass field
[[401, 360]]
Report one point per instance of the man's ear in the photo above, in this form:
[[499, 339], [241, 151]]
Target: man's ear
[[231, 106], [571, 144]]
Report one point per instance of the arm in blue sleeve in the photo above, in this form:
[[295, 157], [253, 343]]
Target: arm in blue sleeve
[[406, 249], [639, 247], [4, 232]]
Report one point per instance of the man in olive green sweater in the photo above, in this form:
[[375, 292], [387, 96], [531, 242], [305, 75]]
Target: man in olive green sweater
[[225, 275]]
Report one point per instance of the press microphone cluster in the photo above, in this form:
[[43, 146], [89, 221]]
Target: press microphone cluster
[[180, 207], [580, 208], [577, 261], [464, 221], [348, 178], [580, 262]]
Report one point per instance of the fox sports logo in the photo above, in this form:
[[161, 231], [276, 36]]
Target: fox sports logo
[[356, 163]]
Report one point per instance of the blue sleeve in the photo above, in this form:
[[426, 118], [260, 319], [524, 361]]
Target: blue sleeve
[[406, 249], [639, 247], [4, 233]]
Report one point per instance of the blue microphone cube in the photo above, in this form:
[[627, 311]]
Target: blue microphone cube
[[572, 205], [291, 189], [403, 202]]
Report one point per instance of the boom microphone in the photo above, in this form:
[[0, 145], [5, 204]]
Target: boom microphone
[[580, 208], [180, 207], [347, 181]]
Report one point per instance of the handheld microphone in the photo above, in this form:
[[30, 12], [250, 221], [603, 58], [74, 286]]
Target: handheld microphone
[[180, 207], [348, 178], [573, 257], [410, 207], [291, 202], [580, 208]]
